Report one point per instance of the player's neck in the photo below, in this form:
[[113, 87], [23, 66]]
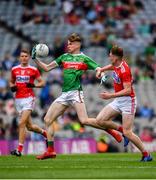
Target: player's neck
[[76, 52], [24, 65], [118, 63]]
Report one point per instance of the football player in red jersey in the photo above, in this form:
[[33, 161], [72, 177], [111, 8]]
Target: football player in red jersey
[[22, 83], [124, 102]]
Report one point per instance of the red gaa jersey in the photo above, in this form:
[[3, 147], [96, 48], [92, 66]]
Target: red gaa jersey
[[121, 75], [23, 75]]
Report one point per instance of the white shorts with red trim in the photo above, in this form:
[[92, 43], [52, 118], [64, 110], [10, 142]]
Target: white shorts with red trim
[[124, 105], [70, 97], [25, 104]]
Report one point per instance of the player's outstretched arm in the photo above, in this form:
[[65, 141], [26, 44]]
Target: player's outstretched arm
[[45, 67], [98, 72], [107, 68]]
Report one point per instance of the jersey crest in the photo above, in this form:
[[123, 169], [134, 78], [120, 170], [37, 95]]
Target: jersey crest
[[116, 78]]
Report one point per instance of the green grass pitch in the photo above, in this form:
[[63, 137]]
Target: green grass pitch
[[92, 166]]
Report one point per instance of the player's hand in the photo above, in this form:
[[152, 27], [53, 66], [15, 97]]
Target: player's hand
[[13, 88], [106, 95], [98, 72], [33, 53], [103, 78], [30, 85]]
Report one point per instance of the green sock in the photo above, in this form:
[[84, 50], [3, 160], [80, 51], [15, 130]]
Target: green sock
[[50, 143]]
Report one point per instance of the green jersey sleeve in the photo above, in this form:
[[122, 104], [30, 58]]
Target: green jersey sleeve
[[59, 59], [92, 65]]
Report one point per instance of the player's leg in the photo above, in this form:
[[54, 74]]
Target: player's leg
[[127, 120], [35, 128], [22, 131], [94, 122], [54, 111]]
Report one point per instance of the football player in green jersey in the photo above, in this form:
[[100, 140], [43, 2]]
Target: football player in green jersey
[[74, 64]]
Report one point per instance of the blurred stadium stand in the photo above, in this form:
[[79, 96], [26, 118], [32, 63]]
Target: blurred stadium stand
[[130, 24]]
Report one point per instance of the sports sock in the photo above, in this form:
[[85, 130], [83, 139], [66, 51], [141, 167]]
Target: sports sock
[[120, 129], [50, 146], [20, 147], [115, 134], [111, 132], [44, 133], [145, 153]]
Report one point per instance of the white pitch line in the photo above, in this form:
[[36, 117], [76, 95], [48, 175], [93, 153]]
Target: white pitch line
[[83, 167]]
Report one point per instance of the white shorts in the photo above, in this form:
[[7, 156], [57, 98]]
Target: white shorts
[[125, 104], [70, 97], [25, 104]]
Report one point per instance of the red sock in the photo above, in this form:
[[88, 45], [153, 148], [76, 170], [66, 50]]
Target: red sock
[[20, 147], [115, 134], [44, 133], [50, 146], [145, 153], [50, 149], [120, 129]]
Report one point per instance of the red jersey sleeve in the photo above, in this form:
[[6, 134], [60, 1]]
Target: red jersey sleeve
[[13, 75]]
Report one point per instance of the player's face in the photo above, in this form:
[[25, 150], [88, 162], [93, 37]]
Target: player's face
[[113, 58], [24, 58], [73, 47]]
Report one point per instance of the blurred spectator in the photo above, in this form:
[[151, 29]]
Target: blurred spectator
[[3, 81], [144, 28], [67, 6], [7, 62], [58, 47], [17, 50], [147, 66], [147, 134], [46, 18], [45, 96], [41, 2], [128, 31], [4, 93], [26, 16], [139, 5], [9, 107], [2, 129], [97, 39], [152, 26], [29, 4], [146, 111], [55, 77], [14, 128], [72, 18]]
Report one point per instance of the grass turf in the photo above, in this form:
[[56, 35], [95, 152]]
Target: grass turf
[[92, 166]]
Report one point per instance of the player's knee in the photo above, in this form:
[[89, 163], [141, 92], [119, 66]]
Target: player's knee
[[84, 121], [127, 133], [29, 127], [101, 122], [47, 120]]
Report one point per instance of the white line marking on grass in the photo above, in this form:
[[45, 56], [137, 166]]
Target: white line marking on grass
[[83, 167]]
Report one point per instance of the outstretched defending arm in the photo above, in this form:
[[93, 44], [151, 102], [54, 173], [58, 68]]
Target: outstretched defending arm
[[45, 67], [109, 67]]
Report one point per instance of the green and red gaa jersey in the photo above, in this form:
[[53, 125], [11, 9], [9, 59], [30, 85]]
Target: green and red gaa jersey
[[74, 66]]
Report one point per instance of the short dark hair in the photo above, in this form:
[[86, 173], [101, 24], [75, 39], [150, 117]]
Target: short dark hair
[[25, 51], [74, 37], [117, 51]]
